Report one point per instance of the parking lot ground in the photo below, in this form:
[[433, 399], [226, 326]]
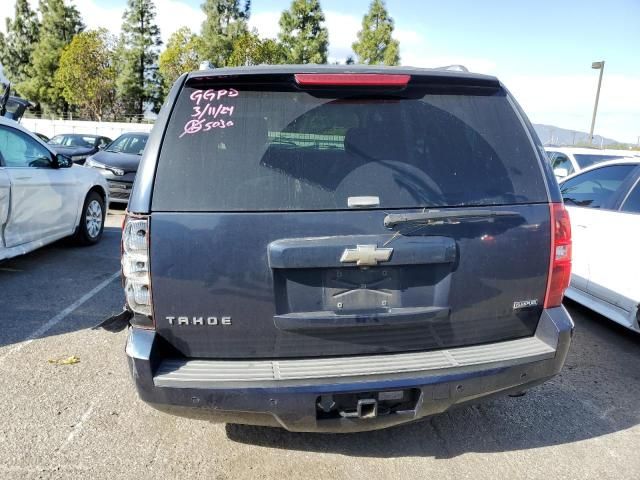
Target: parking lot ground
[[84, 420]]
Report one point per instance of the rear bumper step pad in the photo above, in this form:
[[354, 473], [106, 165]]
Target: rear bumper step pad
[[208, 373]]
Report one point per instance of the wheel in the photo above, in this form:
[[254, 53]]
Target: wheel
[[91, 224]]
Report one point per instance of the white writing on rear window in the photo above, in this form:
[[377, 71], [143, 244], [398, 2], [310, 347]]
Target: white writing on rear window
[[211, 110]]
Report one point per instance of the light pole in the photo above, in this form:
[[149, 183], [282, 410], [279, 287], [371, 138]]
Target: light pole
[[597, 66]]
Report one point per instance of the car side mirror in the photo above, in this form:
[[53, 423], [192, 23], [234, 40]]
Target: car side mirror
[[101, 147], [62, 161], [560, 172]]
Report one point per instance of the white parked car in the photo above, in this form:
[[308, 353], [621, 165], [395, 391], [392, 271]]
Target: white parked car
[[566, 161], [43, 196], [604, 207]]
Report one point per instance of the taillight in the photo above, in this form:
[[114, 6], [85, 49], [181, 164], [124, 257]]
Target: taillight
[[135, 267], [560, 264], [353, 79]]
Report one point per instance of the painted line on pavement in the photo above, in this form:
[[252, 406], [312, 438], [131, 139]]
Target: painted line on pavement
[[52, 322], [77, 428]]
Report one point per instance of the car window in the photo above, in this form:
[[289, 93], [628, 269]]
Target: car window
[[19, 150], [15, 108], [586, 160], [560, 160], [73, 141], [273, 149], [118, 144], [632, 203], [78, 141], [136, 145], [133, 144], [594, 188]]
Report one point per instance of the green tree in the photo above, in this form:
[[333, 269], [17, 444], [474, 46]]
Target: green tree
[[87, 73], [375, 43], [17, 46], [303, 34], [225, 23], [250, 49], [181, 55], [138, 83], [60, 22]]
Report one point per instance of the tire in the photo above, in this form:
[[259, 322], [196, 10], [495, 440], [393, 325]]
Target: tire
[[91, 226]]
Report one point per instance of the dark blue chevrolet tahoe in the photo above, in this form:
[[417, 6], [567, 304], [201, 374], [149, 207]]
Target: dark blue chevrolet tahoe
[[338, 249]]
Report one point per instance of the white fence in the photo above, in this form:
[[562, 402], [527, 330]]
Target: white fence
[[107, 129]]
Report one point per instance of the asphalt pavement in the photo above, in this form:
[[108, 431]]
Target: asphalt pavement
[[84, 420]]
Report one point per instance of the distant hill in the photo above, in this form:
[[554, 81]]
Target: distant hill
[[551, 135]]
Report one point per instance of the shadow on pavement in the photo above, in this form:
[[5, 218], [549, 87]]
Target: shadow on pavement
[[41, 284], [118, 207], [596, 394]]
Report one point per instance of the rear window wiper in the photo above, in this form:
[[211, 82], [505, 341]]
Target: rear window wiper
[[436, 216]]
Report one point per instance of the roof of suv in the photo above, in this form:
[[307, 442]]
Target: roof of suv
[[292, 69]]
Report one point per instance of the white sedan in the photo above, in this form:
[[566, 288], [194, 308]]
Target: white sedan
[[604, 207], [43, 196], [569, 160]]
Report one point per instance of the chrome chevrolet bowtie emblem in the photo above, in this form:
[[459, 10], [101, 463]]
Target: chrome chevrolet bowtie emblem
[[366, 255]]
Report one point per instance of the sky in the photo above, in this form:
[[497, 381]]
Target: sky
[[541, 51]]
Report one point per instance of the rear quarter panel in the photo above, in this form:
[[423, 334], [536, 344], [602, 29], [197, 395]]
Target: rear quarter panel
[[140, 201], [552, 184]]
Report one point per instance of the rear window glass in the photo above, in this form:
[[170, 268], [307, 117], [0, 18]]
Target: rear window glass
[[252, 149]]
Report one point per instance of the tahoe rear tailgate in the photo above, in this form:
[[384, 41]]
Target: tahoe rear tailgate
[[469, 275], [257, 251]]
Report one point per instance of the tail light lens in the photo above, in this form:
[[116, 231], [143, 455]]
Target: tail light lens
[[135, 267], [560, 264]]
